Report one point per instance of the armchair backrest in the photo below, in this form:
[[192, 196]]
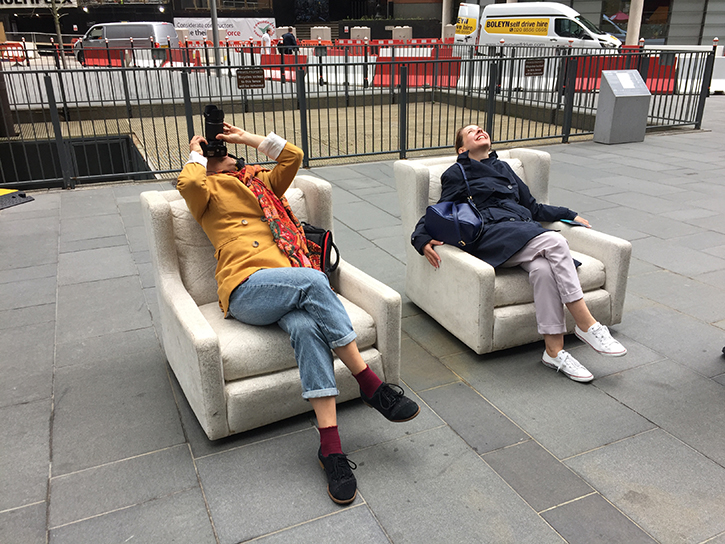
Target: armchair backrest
[[181, 247], [419, 181]]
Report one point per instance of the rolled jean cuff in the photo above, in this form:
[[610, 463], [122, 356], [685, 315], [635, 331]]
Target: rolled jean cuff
[[552, 329], [320, 393], [572, 297], [344, 341]]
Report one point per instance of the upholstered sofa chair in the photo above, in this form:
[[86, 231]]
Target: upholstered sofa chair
[[492, 310], [238, 377]]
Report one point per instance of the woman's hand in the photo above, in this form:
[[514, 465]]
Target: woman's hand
[[583, 221], [430, 253], [233, 135], [195, 144]]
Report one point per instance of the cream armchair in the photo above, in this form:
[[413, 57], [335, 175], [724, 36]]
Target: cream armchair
[[238, 377], [492, 310]]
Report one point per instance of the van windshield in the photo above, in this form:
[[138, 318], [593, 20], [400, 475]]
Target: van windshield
[[591, 27]]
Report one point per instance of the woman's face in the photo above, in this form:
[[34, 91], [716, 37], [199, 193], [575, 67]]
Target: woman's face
[[475, 139]]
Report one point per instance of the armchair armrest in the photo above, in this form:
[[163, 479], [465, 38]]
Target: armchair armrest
[[318, 196], [614, 252], [190, 344], [383, 304], [461, 294]]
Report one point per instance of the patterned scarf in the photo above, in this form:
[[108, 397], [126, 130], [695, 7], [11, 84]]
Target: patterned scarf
[[286, 228]]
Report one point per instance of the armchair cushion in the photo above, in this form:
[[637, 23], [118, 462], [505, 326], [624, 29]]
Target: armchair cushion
[[250, 350], [513, 287]]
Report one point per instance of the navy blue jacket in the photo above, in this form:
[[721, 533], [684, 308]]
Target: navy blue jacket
[[510, 213]]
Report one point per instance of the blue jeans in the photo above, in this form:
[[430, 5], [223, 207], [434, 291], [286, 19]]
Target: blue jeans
[[301, 302]]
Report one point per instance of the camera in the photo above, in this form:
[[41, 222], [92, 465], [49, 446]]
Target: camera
[[213, 125]]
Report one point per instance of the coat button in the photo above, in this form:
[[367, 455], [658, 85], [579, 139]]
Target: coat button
[[512, 219], [511, 186], [244, 221], [255, 244]]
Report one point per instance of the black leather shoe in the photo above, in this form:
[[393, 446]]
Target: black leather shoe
[[341, 482], [390, 401]]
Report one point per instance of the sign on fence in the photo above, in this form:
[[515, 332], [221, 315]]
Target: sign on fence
[[534, 67], [250, 78]]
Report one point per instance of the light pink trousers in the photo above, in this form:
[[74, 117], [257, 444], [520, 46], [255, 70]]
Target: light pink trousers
[[553, 276]]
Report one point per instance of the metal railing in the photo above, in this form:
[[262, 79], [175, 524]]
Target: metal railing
[[131, 114]]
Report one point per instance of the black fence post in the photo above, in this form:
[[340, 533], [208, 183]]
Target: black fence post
[[403, 111], [492, 88], [187, 104], [569, 98], [302, 100], [63, 156], [705, 89]]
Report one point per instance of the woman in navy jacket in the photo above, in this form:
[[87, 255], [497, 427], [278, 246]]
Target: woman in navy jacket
[[511, 237]]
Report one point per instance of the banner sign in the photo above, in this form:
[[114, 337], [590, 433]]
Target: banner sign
[[528, 27], [238, 29], [34, 4]]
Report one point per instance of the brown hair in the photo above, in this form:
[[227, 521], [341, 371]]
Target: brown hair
[[459, 139]]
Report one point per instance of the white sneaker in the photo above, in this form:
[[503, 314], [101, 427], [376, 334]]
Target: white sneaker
[[568, 365], [598, 337]]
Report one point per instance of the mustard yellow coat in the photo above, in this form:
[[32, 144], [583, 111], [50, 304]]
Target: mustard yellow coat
[[231, 217]]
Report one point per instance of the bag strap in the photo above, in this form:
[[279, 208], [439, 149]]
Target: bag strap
[[465, 178]]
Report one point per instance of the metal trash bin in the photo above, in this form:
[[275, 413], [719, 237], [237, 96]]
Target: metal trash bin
[[623, 107]]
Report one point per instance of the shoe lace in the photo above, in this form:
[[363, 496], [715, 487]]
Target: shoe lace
[[567, 361], [390, 395], [342, 467], [602, 334]]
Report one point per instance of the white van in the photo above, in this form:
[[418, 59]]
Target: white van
[[529, 23], [144, 34]]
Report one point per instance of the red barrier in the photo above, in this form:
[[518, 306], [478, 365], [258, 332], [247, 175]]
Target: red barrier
[[291, 63], [660, 76], [12, 52], [420, 74]]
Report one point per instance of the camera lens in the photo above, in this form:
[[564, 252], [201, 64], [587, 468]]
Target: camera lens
[[213, 125]]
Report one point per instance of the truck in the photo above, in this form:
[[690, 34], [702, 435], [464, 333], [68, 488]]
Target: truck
[[529, 23]]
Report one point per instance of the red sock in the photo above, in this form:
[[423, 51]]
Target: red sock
[[368, 381], [330, 440]]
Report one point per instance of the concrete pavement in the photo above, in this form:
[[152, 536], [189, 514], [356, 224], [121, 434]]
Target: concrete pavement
[[98, 444]]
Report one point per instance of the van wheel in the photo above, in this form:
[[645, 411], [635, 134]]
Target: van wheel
[[81, 58]]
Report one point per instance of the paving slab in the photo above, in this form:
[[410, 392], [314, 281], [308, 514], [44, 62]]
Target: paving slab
[[24, 525], [355, 524], [180, 517], [31, 315], [676, 399], [473, 418], [85, 202], [682, 293], [95, 264], [24, 453], [548, 406], [675, 258], [292, 490], [93, 243], [593, 520], [443, 492], [541, 479], [76, 229], [419, 369], [83, 308], [668, 489], [436, 340], [26, 293], [106, 411], [678, 337], [27, 374], [113, 486]]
